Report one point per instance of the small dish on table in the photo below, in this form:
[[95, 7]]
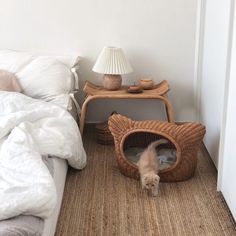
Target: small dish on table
[[135, 89]]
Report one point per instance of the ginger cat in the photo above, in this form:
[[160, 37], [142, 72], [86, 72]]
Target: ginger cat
[[148, 166]]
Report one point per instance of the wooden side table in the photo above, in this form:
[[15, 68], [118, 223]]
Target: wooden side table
[[94, 92]]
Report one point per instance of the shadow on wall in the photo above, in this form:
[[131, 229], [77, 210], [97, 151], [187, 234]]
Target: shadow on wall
[[183, 102], [212, 140], [85, 73], [145, 65]]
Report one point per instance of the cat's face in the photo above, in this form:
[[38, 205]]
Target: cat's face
[[150, 181]]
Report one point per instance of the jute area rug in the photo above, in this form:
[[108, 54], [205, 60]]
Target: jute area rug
[[101, 201]]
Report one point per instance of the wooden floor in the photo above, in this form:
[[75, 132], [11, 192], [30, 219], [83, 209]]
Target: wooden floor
[[100, 201]]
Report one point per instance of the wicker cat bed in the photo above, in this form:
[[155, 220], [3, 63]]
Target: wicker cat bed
[[186, 139]]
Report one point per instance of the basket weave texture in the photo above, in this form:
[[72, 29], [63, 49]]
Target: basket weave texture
[[104, 135], [186, 138]]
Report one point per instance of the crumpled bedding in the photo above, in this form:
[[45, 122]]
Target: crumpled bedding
[[22, 226], [25, 225], [30, 128]]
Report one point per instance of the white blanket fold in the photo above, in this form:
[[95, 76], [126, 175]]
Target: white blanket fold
[[30, 128]]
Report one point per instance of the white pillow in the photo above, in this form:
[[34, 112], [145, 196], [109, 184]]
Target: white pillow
[[42, 77]]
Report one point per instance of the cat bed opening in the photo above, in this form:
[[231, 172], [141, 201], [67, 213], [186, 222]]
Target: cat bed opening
[[184, 139], [135, 144]]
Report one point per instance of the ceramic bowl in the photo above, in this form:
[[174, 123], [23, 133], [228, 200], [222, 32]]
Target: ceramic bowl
[[146, 83]]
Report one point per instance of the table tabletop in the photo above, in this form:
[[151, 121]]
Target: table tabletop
[[159, 89]]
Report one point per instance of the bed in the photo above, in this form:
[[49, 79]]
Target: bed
[[34, 72], [59, 176]]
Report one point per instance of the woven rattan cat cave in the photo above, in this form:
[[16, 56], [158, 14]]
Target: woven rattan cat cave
[[185, 138]]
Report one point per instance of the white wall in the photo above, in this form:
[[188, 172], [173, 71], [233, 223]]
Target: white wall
[[227, 163], [157, 36], [214, 70]]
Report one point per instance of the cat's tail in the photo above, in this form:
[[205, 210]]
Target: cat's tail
[[157, 143]]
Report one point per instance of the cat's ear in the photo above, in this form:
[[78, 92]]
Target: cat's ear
[[145, 178], [143, 182], [157, 179]]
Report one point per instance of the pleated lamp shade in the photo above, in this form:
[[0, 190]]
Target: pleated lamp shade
[[112, 61]]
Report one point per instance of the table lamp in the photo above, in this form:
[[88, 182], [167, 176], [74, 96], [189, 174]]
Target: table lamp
[[112, 63]]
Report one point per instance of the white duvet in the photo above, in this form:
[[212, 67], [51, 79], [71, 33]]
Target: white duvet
[[30, 128]]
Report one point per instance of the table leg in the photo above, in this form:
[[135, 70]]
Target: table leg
[[169, 109], [169, 113], [83, 116]]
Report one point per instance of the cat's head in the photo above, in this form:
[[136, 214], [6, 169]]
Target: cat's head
[[150, 181]]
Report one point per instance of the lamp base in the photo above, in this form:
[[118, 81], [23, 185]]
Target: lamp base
[[112, 82]]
